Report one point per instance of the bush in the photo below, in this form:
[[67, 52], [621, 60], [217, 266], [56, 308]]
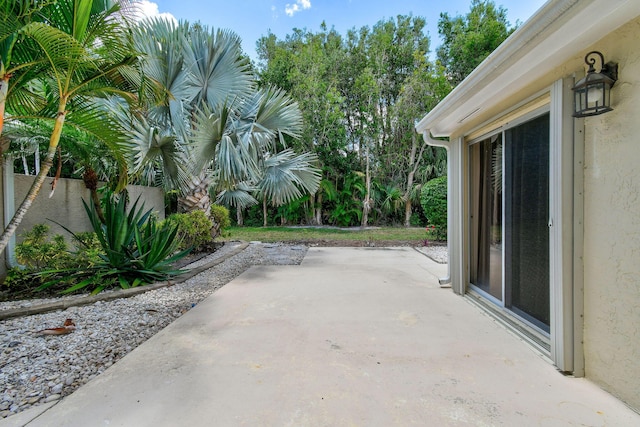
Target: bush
[[194, 229], [38, 252], [433, 199], [221, 220]]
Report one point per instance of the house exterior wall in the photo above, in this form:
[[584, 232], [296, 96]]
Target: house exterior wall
[[607, 284], [612, 227], [594, 180], [66, 207]]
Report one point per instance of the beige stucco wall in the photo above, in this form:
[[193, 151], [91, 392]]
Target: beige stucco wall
[[612, 227], [66, 207], [611, 253]]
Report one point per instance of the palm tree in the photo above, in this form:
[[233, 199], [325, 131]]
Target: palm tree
[[285, 174], [85, 49], [192, 69], [207, 113], [19, 62]]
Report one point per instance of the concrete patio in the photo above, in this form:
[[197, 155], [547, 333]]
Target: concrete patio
[[352, 337]]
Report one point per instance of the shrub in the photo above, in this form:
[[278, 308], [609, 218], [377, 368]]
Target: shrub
[[194, 229], [221, 220], [433, 199], [38, 253], [88, 249]]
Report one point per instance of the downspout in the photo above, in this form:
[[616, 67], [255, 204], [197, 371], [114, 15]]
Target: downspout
[[445, 282]]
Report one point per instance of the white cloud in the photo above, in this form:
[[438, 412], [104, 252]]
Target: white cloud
[[292, 9], [148, 9]]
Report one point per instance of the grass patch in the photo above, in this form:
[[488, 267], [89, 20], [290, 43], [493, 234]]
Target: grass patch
[[334, 236]]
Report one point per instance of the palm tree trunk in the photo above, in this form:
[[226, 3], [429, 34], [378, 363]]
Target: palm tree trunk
[[264, 211], [239, 217], [11, 228], [91, 182]]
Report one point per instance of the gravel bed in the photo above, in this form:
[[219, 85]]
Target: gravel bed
[[438, 253], [35, 368]]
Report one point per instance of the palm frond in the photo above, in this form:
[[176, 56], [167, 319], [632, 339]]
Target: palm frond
[[217, 70], [64, 53], [287, 174], [239, 196], [156, 153], [277, 112]]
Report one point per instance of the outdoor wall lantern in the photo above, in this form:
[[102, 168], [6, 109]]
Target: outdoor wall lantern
[[592, 94]]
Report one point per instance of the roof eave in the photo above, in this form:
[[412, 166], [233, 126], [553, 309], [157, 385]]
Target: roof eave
[[560, 30]]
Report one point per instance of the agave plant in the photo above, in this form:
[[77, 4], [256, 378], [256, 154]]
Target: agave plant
[[136, 249]]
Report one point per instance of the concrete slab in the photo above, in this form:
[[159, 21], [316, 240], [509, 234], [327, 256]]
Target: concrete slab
[[352, 337], [23, 418]]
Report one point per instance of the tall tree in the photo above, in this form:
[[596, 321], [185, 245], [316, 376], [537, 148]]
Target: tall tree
[[391, 52], [86, 53], [420, 93], [311, 67], [469, 39], [209, 124], [346, 88]]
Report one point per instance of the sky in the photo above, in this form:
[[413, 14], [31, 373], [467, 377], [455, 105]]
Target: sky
[[252, 19]]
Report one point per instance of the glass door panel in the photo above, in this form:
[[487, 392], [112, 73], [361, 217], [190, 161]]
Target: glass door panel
[[486, 216], [526, 183]]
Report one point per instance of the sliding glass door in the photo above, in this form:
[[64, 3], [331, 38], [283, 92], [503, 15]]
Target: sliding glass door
[[509, 219], [486, 217]]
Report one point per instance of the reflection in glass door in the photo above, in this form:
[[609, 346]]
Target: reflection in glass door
[[486, 217], [513, 205]]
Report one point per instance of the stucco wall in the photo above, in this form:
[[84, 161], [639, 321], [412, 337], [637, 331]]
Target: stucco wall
[[612, 227], [66, 207], [3, 268]]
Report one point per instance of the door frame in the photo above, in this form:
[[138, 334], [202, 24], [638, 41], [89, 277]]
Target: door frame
[[565, 216]]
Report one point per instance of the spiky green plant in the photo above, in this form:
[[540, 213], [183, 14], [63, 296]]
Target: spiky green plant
[[136, 249]]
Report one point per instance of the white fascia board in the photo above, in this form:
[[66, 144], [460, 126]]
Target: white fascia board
[[559, 31]]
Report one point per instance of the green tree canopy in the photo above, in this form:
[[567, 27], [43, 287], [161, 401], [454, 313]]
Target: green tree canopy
[[469, 39]]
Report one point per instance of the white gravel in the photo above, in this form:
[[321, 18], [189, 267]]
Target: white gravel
[[35, 369], [438, 253]]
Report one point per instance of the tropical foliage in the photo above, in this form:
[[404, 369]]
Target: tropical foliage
[[136, 249], [58, 58], [433, 198], [320, 131], [209, 126]]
